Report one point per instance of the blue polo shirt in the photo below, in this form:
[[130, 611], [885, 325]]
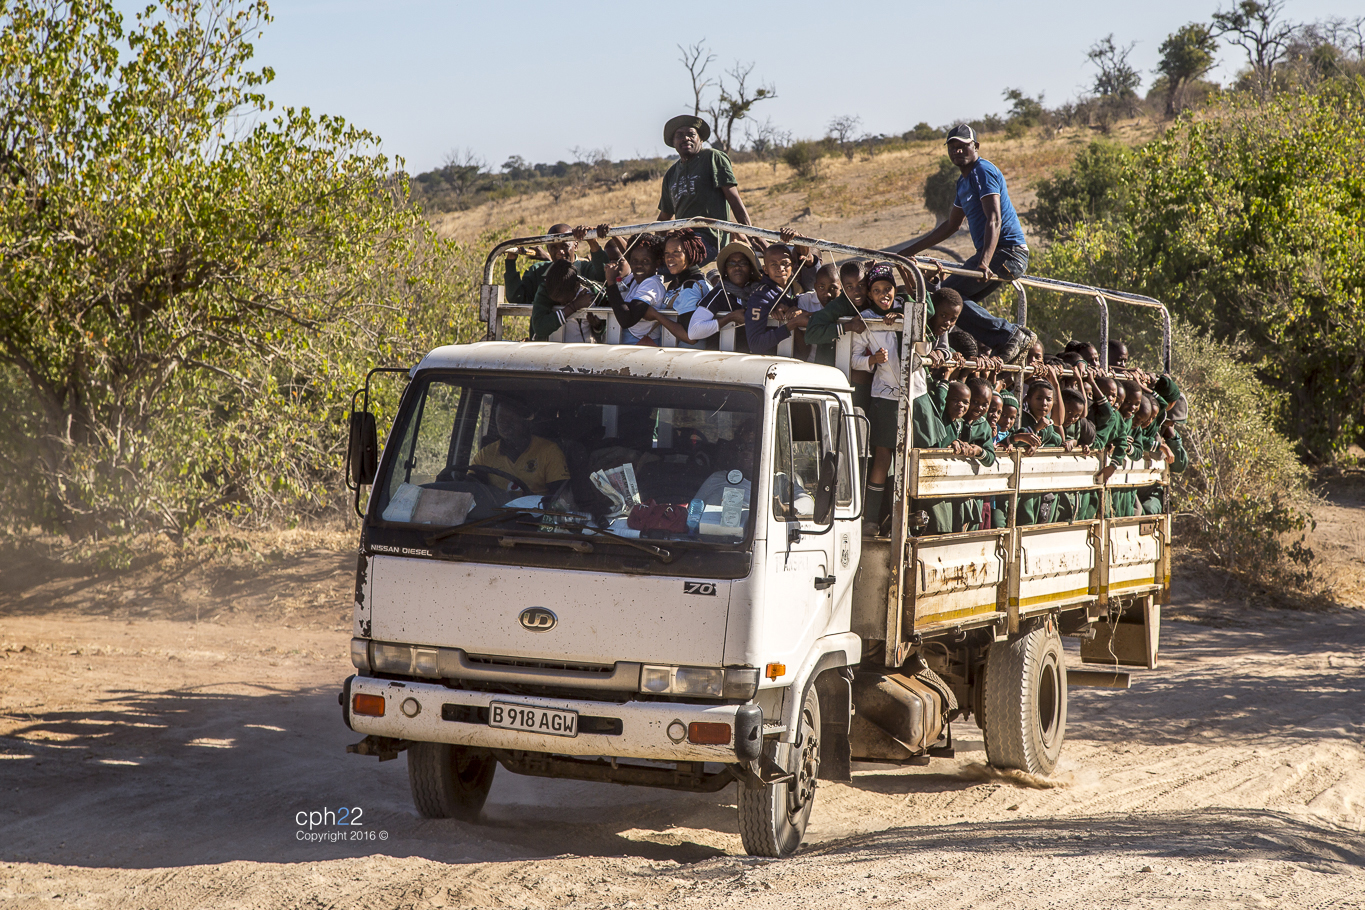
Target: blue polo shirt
[[985, 179]]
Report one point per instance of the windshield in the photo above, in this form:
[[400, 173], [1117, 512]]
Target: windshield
[[574, 461]]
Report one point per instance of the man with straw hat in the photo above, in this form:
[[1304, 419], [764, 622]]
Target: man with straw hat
[[701, 183]]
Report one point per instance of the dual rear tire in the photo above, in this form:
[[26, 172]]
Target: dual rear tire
[[1023, 706]]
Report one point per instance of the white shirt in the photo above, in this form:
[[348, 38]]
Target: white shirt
[[651, 291], [885, 376]]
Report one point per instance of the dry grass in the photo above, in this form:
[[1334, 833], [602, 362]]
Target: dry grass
[[872, 202]]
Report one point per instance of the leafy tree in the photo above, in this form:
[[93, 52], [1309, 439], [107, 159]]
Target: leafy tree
[[1024, 110], [922, 132], [1247, 223], [1092, 189], [190, 278], [804, 158], [1186, 55]]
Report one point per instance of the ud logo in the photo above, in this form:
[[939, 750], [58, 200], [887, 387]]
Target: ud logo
[[537, 619]]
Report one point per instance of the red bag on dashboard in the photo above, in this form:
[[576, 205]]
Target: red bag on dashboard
[[653, 516]]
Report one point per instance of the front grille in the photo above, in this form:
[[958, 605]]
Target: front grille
[[540, 664]]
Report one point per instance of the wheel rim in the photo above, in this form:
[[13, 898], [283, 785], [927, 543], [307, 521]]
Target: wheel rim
[[801, 791], [1049, 700], [468, 768]]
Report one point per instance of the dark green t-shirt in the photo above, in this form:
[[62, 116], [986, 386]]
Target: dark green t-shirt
[[692, 189]]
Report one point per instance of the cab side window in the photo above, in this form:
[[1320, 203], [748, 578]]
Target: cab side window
[[796, 460]]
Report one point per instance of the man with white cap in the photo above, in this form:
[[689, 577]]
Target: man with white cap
[[984, 201]]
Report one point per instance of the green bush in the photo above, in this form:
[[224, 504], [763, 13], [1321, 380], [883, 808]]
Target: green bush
[[1243, 502], [804, 158], [922, 132], [1246, 222], [940, 188], [1094, 188]]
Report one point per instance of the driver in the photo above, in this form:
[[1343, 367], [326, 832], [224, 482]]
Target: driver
[[535, 462]]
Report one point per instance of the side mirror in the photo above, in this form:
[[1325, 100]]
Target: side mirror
[[824, 488], [362, 450]]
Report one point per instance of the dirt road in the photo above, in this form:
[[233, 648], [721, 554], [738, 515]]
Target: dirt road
[[162, 762]]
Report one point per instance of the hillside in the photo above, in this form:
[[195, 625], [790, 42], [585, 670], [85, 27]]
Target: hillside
[[873, 202]]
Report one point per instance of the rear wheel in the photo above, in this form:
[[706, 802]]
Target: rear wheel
[[449, 781], [772, 820], [1024, 702]]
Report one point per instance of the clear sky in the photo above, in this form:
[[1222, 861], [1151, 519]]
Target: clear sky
[[537, 79]]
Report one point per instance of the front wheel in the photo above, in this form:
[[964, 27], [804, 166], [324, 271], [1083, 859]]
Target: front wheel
[[450, 781], [1024, 701], [772, 819]]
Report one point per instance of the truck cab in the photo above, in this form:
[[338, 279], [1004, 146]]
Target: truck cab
[[559, 629]]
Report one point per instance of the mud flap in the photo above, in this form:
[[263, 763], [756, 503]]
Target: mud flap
[[835, 691], [1132, 639]]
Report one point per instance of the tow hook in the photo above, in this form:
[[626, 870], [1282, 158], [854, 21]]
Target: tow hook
[[385, 747]]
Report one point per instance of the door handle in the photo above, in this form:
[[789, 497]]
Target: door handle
[[823, 583]]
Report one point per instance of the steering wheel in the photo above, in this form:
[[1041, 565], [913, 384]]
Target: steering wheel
[[481, 474]]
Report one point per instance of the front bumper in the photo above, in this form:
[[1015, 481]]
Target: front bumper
[[643, 725]]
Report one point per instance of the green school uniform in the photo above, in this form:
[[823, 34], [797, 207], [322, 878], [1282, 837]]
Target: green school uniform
[[932, 433], [522, 287], [545, 315], [978, 432], [1123, 503], [1031, 504], [824, 329], [1106, 421], [1069, 504], [1166, 391]]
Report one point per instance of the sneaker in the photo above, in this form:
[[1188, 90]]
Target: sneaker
[[1014, 350]]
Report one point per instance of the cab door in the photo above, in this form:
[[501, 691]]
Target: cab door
[[847, 538], [802, 555]]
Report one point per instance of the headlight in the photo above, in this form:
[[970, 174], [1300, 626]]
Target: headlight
[[360, 654], [405, 660], [705, 682], [741, 682]]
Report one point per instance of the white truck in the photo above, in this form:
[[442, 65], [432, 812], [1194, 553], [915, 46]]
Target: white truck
[[742, 630]]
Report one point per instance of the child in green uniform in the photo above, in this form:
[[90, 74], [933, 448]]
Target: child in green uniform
[[1037, 418], [975, 440], [826, 295], [565, 292], [521, 287], [1123, 502]]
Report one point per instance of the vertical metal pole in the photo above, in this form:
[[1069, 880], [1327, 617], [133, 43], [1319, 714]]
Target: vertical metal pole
[[1166, 339], [1021, 312], [1016, 542], [1104, 331], [898, 599]]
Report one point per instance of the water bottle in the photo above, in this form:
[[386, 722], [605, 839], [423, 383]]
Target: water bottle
[[694, 510]]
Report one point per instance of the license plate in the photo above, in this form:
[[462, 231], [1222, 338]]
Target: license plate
[[532, 720]]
